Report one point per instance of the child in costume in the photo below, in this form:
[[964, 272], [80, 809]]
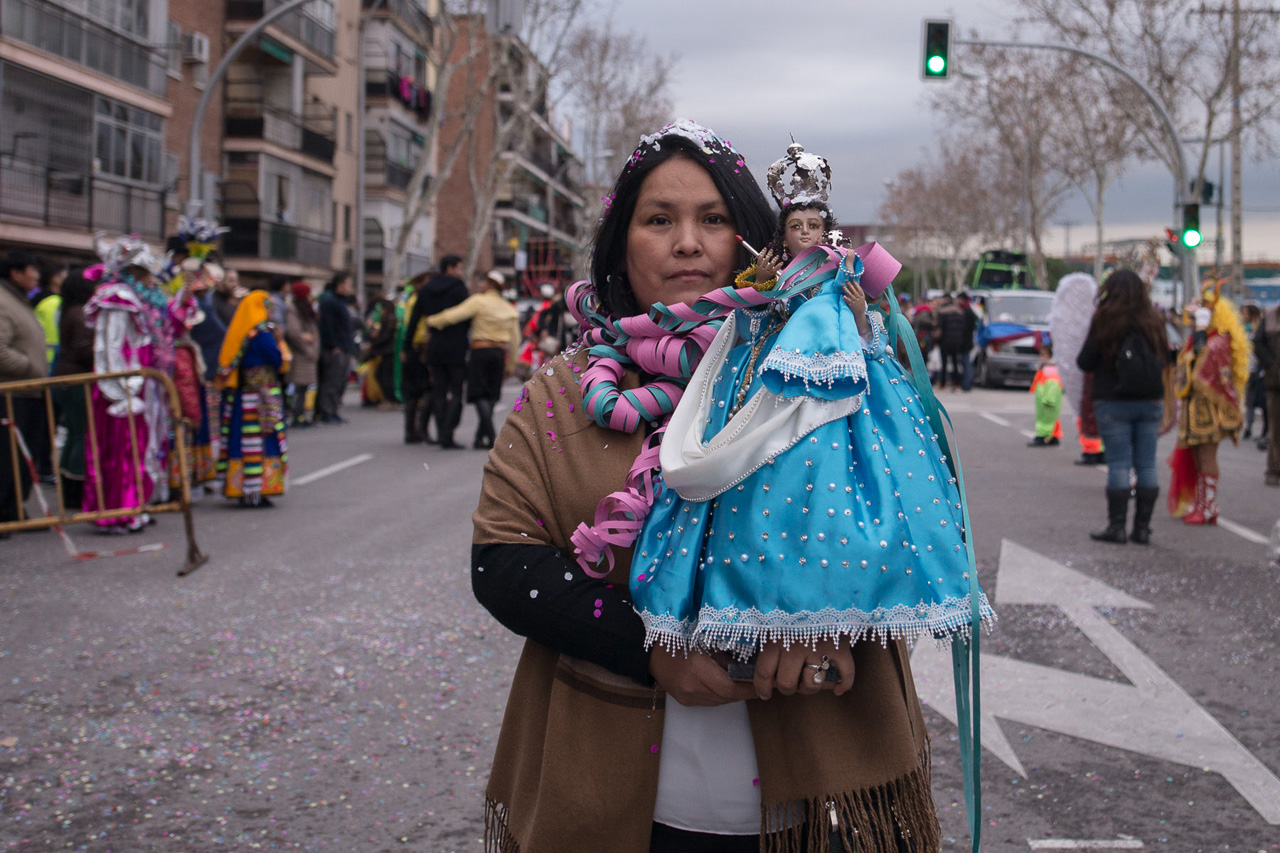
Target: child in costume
[[1047, 388], [806, 494]]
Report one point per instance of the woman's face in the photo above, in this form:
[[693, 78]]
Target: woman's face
[[681, 243], [802, 229]]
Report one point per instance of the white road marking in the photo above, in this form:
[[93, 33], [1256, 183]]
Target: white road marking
[[1075, 844], [1028, 433], [1243, 532], [1151, 715], [332, 469], [995, 419]]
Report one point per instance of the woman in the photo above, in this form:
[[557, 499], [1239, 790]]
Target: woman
[[253, 453], [607, 746], [128, 418], [302, 333], [1125, 334], [1213, 367], [495, 342], [75, 355]]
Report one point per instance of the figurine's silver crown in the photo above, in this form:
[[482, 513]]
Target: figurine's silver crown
[[800, 178]]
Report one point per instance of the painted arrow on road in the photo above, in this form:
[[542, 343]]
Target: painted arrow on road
[[1151, 715]]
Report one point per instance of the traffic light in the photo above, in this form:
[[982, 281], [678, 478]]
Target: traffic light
[[1191, 235], [937, 50]]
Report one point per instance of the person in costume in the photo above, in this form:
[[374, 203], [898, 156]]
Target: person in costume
[[1047, 388], [1129, 408], [686, 761], [1266, 343], [302, 334], [128, 417], [495, 343], [378, 372], [1069, 317], [191, 282], [253, 462], [806, 497], [1213, 367]]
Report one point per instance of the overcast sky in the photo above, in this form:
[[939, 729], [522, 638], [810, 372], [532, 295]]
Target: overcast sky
[[843, 75]]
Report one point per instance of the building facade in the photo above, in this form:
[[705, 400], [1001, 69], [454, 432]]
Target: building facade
[[84, 103], [536, 227]]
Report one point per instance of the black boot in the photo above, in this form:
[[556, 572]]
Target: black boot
[[1117, 510], [412, 431], [1143, 506]]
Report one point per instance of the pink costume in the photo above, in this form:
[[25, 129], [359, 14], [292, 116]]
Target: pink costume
[[127, 470]]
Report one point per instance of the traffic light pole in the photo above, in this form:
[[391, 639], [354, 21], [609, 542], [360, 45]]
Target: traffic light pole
[[1190, 277]]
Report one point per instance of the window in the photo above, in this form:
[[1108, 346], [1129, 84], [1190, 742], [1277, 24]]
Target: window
[[173, 41], [128, 142]]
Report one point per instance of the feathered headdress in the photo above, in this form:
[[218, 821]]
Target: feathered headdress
[[199, 235]]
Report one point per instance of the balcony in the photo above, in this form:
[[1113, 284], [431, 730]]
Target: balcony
[[34, 194], [85, 42], [534, 211], [302, 27], [260, 238], [412, 96], [413, 15], [312, 133]]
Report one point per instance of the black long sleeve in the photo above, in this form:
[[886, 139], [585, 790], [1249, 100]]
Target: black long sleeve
[[539, 593]]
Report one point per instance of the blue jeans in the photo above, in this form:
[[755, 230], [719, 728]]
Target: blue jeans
[[1130, 429]]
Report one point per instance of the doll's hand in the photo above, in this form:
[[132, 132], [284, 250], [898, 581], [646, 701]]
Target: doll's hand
[[791, 671], [855, 297], [767, 266], [696, 680]]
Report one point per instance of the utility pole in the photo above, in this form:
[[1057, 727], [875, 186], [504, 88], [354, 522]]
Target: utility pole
[[1237, 216]]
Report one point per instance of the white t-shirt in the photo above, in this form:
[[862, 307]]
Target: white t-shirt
[[707, 777]]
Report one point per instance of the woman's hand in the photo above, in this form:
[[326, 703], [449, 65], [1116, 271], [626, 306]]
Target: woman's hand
[[697, 679], [856, 298], [790, 671], [767, 266]]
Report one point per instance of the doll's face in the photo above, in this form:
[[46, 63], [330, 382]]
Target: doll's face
[[802, 229]]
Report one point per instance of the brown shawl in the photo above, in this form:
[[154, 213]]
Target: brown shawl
[[576, 767]]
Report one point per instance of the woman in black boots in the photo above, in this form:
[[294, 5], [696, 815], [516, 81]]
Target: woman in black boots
[[1127, 350]]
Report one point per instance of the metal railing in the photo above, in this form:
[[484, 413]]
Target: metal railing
[[17, 448], [386, 83], [411, 13], [259, 238], [85, 42], [43, 195], [302, 27], [312, 133]]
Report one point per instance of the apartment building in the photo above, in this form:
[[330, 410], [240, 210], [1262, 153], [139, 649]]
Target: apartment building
[[537, 224], [84, 102], [399, 82]]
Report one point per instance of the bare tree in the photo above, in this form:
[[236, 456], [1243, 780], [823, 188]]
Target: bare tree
[[1096, 140], [621, 91], [425, 184], [1011, 106], [520, 70], [1182, 52], [947, 211]]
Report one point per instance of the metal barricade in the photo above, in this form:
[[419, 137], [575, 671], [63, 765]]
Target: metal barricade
[[20, 455]]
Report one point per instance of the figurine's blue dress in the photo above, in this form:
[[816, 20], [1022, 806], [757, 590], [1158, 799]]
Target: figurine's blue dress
[[824, 509]]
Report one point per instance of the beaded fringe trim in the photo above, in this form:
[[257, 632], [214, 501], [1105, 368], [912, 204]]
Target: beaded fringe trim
[[870, 820], [818, 368], [744, 631]]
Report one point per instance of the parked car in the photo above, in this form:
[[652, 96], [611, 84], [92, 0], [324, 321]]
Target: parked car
[[1000, 269], [1010, 325]]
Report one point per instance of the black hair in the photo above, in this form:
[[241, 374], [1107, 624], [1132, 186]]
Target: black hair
[[338, 278], [778, 243], [747, 207], [16, 259], [76, 289], [448, 262], [276, 283], [48, 269], [175, 244]]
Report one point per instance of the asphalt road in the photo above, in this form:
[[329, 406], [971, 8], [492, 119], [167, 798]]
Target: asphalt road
[[326, 681]]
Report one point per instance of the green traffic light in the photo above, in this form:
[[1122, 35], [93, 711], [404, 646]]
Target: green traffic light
[[937, 64], [1191, 239]]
